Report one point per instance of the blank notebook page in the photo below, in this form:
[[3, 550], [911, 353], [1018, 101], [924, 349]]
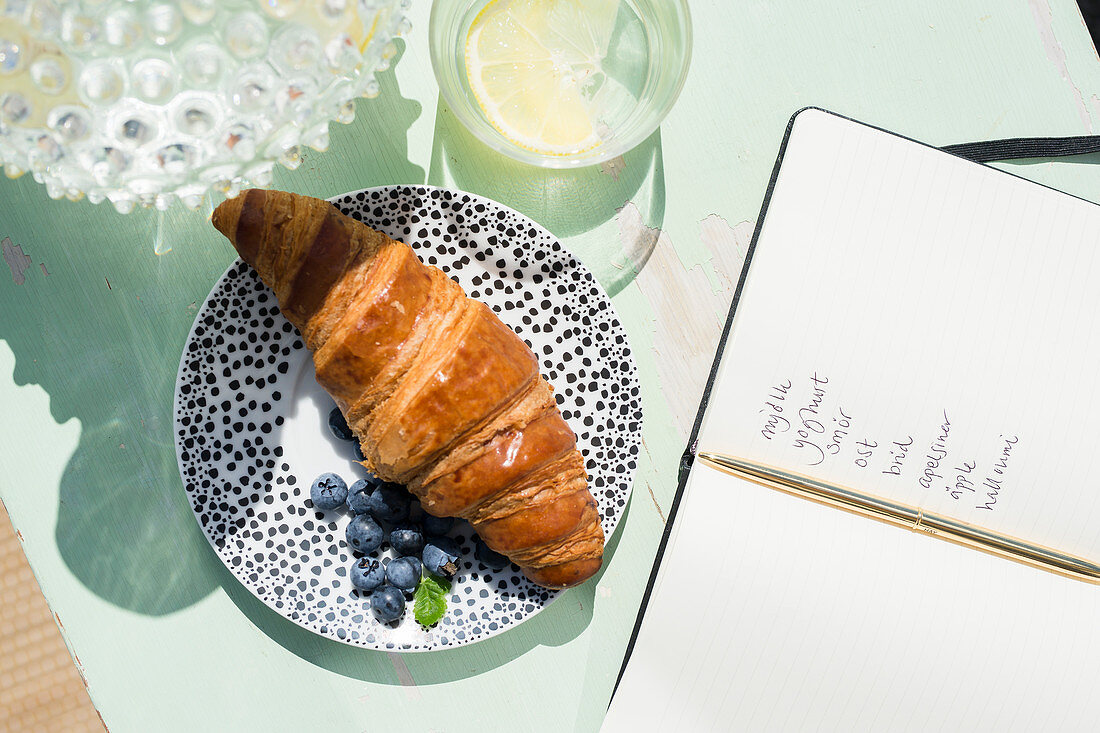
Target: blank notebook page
[[918, 327]]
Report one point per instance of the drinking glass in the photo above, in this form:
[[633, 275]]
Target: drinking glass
[[620, 88]]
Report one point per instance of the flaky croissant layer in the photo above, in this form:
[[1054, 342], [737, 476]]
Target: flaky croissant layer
[[442, 396]]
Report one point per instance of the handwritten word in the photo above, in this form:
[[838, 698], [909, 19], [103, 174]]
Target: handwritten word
[[814, 449], [810, 424], [806, 413], [936, 453], [963, 482], [839, 432], [773, 410], [864, 449], [999, 466], [897, 455]]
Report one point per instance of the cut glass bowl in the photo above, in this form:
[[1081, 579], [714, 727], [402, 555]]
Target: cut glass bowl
[[145, 102]]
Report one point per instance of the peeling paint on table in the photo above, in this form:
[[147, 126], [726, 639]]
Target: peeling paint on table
[[1044, 21], [613, 167], [403, 675], [17, 261], [690, 310]]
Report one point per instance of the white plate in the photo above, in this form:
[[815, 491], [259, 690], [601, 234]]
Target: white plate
[[251, 422]]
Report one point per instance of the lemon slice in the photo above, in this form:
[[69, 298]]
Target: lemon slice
[[533, 66]]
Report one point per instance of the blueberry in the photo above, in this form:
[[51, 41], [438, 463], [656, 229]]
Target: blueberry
[[364, 535], [490, 557], [404, 573], [328, 491], [359, 494], [407, 539], [339, 426], [358, 451], [416, 563], [387, 603], [367, 573], [389, 503], [441, 556], [437, 525]]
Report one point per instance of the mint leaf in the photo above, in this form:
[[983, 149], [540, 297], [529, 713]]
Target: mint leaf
[[430, 601]]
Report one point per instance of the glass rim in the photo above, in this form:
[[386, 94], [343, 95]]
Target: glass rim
[[476, 124]]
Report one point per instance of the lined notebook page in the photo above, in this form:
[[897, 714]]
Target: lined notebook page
[[921, 328]]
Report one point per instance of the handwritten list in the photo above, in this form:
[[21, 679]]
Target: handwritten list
[[809, 416]]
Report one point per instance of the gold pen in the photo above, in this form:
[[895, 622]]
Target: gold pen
[[908, 517]]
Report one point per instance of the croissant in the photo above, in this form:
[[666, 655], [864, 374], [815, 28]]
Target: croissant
[[442, 396]]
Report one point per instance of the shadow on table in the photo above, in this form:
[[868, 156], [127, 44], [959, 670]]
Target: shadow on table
[[371, 151], [573, 204], [1020, 165], [561, 622], [102, 332]]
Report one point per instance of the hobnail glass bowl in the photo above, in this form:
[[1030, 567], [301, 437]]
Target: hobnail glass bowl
[[145, 102]]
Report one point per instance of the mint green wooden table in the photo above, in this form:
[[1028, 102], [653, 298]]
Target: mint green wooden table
[[92, 322]]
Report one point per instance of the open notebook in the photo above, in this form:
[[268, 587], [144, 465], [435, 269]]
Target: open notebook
[[926, 329]]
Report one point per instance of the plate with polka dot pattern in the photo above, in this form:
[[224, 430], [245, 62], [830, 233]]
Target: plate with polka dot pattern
[[251, 421]]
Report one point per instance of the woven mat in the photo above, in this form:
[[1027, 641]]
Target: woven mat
[[40, 688]]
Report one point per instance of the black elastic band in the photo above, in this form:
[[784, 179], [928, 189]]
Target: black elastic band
[[1025, 147]]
